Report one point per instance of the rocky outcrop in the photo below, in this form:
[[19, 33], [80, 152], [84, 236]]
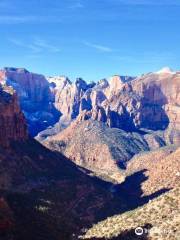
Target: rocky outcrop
[[12, 121], [68, 97], [36, 99]]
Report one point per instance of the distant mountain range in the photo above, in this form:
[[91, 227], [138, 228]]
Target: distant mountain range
[[150, 101]]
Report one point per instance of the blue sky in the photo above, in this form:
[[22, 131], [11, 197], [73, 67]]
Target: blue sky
[[90, 38]]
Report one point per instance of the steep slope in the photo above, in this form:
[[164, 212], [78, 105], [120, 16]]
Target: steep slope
[[159, 220], [153, 172], [162, 168], [97, 147]]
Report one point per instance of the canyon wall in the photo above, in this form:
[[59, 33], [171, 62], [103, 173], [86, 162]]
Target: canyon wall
[[34, 95], [12, 121]]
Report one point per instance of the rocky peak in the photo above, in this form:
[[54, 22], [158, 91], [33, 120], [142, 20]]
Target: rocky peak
[[59, 82], [116, 82], [165, 70], [81, 84], [103, 83]]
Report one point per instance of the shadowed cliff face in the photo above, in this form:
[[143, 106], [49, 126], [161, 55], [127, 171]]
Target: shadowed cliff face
[[153, 115]]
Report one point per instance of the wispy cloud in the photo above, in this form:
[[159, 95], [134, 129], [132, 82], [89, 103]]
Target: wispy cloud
[[17, 19], [22, 44], [9, 19], [77, 4], [146, 57], [41, 43], [36, 46], [98, 47]]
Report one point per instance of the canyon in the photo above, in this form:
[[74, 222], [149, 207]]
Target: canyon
[[76, 153]]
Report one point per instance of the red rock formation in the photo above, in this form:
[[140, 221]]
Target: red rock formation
[[12, 121]]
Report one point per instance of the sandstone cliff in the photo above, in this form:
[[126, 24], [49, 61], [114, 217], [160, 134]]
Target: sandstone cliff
[[151, 101], [12, 121]]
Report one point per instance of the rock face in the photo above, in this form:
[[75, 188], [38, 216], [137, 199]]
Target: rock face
[[35, 97], [160, 100], [151, 101], [68, 96], [12, 121]]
